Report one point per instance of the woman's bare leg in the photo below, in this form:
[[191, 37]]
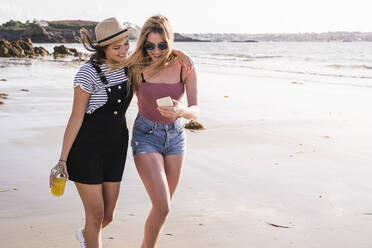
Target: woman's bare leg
[[110, 191], [91, 195], [160, 176]]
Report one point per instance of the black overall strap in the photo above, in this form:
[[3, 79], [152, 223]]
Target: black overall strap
[[181, 74], [126, 72], [143, 78], [129, 87], [100, 73]]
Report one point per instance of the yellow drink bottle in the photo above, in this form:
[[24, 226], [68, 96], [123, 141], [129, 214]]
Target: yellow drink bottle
[[59, 182]]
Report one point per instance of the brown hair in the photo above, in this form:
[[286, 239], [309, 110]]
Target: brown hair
[[99, 55]]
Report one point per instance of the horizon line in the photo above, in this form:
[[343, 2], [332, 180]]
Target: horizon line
[[240, 33]]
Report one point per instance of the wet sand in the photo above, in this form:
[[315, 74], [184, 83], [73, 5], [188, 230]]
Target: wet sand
[[280, 164]]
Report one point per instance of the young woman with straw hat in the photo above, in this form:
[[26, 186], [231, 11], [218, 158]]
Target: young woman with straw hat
[[96, 138]]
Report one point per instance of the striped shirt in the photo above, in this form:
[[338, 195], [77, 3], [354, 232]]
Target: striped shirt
[[88, 80]]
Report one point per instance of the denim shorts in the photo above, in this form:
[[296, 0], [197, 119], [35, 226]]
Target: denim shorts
[[166, 139]]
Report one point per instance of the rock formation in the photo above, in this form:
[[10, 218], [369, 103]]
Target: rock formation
[[62, 51], [20, 49]]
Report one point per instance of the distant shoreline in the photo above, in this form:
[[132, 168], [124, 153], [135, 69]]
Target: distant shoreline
[[67, 31]]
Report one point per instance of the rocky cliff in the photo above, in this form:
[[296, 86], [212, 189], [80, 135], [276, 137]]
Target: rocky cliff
[[67, 31], [51, 33]]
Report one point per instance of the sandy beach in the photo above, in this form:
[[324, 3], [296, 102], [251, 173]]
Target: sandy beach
[[281, 163]]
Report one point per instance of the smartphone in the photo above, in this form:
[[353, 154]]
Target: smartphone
[[164, 102]]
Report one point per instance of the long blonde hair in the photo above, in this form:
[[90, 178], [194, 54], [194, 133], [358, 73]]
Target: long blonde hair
[[139, 61]]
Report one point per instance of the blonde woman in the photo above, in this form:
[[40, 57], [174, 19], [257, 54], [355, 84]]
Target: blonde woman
[[158, 141]]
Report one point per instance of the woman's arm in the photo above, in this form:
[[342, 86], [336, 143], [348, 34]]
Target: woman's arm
[[184, 60], [79, 106], [192, 110]]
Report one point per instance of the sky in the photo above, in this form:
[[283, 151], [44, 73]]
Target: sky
[[207, 16]]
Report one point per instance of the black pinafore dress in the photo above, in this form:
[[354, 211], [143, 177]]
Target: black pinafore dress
[[99, 151]]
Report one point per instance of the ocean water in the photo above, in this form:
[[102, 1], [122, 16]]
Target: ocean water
[[318, 62], [334, 63]]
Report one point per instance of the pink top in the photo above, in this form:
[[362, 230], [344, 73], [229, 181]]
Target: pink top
[[148, 93]]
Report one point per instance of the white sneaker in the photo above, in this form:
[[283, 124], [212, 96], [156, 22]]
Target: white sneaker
[[80, 238]]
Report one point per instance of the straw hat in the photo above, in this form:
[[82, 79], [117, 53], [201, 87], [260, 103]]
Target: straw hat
[[110, 30]]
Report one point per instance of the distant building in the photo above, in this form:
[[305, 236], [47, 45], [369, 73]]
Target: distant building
[[42, 23]]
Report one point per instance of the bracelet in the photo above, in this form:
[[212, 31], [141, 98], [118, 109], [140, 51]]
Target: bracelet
[[62, 160]]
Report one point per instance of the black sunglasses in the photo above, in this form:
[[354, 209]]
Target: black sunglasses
[[151, 46]]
